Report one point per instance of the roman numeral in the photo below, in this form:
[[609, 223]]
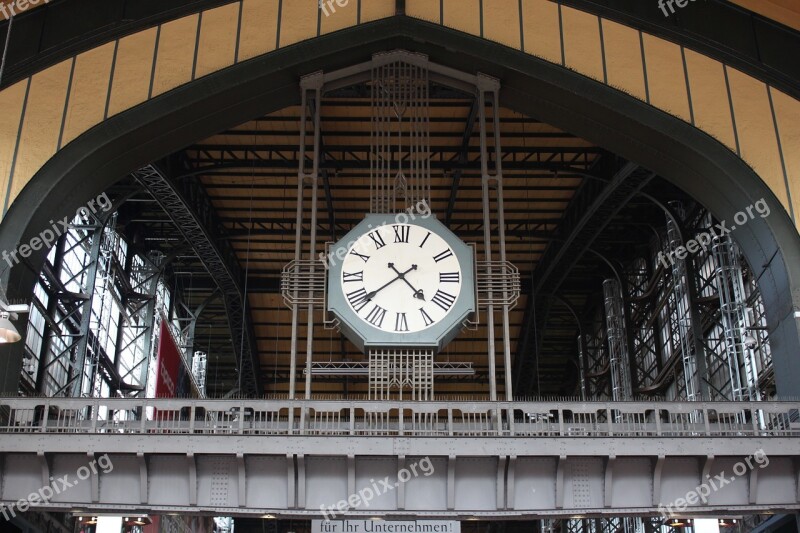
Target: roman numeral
[[425, 239], [449, 277], [400, 322], [443, 300], [401, 233], [375, 316], [377, 239], [355, 276], [364, 257], [428, 320], [444, 255], [358, 299]]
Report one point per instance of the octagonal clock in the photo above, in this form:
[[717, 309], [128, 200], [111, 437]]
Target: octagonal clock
[[401, 281]]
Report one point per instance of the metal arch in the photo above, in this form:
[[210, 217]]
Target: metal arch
[[463, 157], [590, 210], [188, 206]]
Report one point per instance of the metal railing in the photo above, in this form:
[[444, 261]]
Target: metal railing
[[393, 418]]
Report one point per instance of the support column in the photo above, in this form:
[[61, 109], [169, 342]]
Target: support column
[[311, 89], [735, 320], [79, 363], [621, 388], [694, 364], [492, 178]]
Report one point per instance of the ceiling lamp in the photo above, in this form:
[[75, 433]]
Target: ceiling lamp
[[137, 521], [8, 332], [678, 523]]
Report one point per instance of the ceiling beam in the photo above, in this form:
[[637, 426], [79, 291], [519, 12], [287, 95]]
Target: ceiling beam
[[463, 156], [190, 209], [595, 204]]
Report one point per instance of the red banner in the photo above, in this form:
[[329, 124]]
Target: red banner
[[168, 362]]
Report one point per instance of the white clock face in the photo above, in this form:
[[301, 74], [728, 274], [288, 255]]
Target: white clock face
[[401, 278]]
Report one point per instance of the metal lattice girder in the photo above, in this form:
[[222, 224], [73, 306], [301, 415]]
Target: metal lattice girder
[[590, 211], [190, 209]]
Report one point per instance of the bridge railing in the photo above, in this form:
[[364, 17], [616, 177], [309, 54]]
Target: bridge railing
[[388, 418]]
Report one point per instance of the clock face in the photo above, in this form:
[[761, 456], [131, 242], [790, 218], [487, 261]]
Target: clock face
[[401, 278]]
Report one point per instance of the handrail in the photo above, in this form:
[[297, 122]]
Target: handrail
[[396, 418]]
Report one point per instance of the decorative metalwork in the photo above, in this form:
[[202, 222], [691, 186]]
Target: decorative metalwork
[[303, 282], [400, 142], [361, 368], [395, 372], [498, 283]]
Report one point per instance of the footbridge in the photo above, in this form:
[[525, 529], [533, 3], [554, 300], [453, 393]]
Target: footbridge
[[450, 459]]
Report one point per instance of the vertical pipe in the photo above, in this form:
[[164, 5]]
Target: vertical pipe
[[298, 243], [313, 238], [487, 239], [501, 229]]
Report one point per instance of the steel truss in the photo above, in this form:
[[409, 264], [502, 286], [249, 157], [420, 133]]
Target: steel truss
[[91, 321], [191, 211], [589, 212], [696, 319]]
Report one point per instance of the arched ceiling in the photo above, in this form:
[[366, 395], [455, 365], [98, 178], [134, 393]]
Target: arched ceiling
[[249, 172], [56, 106]]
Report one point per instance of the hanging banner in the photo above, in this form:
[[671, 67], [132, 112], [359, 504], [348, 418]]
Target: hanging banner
[[168, 363]]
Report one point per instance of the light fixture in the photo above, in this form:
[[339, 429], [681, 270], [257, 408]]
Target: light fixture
[[678, 523], [726, 523], [8, 333], [137, 521], [268, 516], [87, 520]]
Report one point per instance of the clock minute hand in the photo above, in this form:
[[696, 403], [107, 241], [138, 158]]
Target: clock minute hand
[[371, 294], [417, 294]]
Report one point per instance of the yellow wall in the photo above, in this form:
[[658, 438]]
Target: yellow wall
[[754, 120]]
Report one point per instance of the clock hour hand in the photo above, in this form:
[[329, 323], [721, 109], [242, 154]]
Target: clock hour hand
[[418, 294]]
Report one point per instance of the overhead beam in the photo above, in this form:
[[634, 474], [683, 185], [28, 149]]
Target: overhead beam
[[188, 206], [462, 160], [591, 209]]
